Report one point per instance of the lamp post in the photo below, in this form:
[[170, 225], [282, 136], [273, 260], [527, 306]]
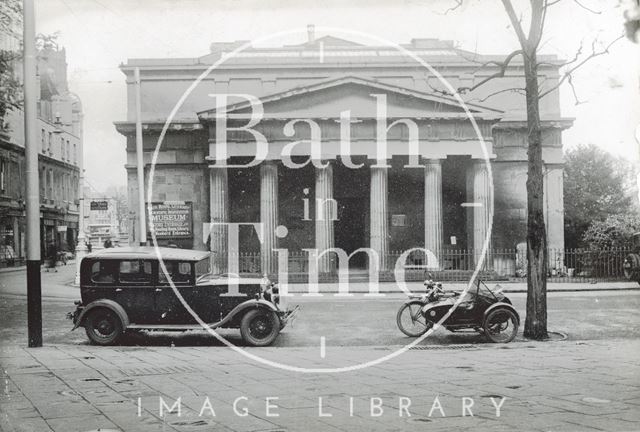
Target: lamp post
[[81, 247], [34, 287]]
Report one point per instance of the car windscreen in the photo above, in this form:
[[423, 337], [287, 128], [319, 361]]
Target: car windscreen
[[203, 267], [484, 291]]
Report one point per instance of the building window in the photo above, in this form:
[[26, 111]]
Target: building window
[[50, 185], [43, 142], [43, 184], [3, 173], [49, 142], [62, 149], [75, 154], [68, 151]]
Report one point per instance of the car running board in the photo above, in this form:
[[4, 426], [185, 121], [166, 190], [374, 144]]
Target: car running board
[[171, 326]]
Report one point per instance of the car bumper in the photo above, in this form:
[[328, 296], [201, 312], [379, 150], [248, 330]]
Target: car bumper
[[75, 315], [289, 316]]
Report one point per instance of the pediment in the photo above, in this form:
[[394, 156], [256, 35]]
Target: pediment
[[327, 99]]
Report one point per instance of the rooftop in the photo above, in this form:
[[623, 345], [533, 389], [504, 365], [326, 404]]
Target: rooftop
[[330, 49], [149, 252]]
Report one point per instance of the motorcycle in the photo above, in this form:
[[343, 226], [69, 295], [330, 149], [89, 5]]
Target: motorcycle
[[409, 318], [480, 309]]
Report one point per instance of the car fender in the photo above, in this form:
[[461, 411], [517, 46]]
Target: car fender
[[500, 305], [242, 307], [105, 303]]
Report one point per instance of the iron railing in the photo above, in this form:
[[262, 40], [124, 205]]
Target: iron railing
[[564, 265]]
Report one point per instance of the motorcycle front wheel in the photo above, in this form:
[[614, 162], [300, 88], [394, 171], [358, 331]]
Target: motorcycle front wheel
[[411, 321]]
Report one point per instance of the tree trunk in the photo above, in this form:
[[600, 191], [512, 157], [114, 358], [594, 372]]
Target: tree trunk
[[535, 326]]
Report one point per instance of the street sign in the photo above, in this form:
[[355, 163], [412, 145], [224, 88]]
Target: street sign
[[172, 219], [99, 205], [62, 228]]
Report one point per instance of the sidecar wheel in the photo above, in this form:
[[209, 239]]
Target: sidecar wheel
[[501, 325], [410, 320]]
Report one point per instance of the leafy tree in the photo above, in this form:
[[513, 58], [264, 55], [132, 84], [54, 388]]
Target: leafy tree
[[596, 185], [615, 231], [10, 86]]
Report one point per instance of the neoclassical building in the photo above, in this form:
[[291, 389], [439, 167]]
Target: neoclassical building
[[430, 186]]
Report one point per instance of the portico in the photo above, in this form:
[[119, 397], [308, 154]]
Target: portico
[[363, 174]]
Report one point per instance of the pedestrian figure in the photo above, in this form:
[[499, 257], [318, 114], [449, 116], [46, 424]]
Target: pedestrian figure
[[107, 243], [52, 255], [88, 244]]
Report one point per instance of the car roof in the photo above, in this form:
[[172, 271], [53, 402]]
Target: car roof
[[149, 252]]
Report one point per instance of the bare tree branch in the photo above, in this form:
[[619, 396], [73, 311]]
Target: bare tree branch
[[551, 3], [515, 22], [573, 90], [538, 14], [458, 4], [520, 91], [587, 8], [567, 74], [501, 65], [567, 63]]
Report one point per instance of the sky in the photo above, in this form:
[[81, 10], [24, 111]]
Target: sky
[[99, 35]]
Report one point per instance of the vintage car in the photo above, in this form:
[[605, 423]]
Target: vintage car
[[126, 289]]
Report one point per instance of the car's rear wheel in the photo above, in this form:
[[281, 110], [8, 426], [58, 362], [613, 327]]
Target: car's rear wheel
[[103, 326], [501, 325], [260, 327]]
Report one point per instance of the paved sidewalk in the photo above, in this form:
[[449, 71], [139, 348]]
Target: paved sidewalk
[[549, 386], [506, 286], [43, 267]]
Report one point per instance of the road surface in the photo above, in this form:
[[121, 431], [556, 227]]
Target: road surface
[[356, 321]]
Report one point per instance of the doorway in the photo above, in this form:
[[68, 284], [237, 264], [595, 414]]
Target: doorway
[[351, 230]]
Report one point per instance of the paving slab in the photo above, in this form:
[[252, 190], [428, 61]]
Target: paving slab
[[548, 386]]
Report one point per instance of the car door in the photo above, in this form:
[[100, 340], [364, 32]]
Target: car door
[[169, 307], [135, 290], [102, 281]]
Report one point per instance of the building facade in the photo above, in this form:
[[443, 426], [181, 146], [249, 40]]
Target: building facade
[[59, 131], [101, 219], [429, 186]]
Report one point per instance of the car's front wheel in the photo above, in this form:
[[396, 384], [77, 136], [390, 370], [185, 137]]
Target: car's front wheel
[[103, 326], [260, 327]]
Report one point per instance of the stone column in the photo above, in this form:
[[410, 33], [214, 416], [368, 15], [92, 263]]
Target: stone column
[[379, 224], [554, 215], [481, 207], [269, 215], [326, 212], [219, 213], [433, 208]]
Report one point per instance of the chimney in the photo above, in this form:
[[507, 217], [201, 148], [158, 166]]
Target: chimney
[[311, 33]]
